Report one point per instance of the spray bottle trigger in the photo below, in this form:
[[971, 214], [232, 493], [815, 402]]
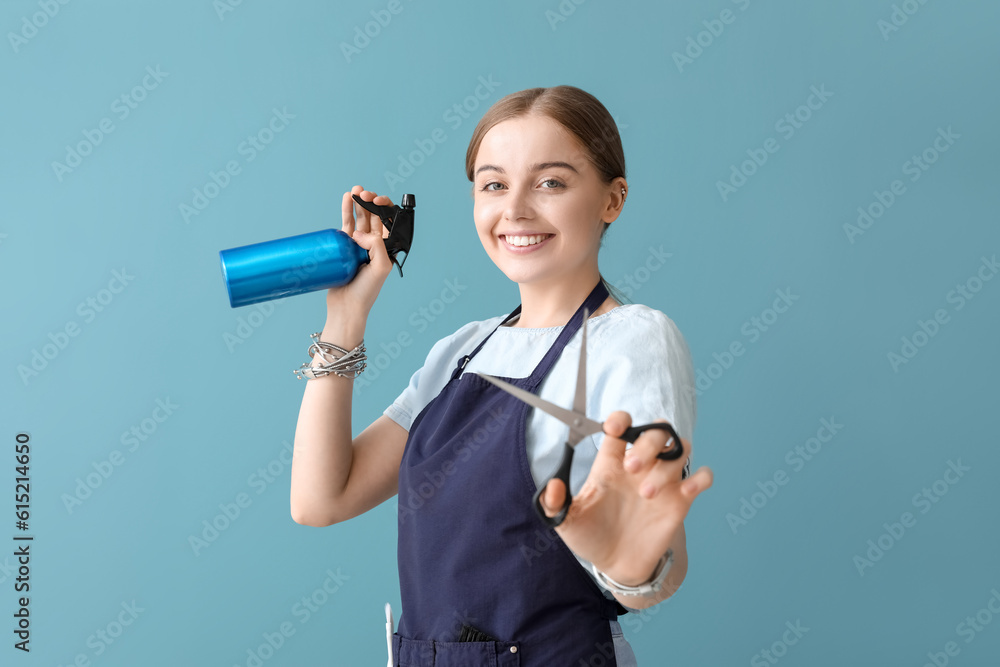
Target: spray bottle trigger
[[385, 213], [399, 264], [399, 222]]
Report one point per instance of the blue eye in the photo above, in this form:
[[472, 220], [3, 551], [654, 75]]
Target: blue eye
[[552, 180], [487, 188]]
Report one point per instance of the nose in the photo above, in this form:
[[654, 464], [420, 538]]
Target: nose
[[517, 204]]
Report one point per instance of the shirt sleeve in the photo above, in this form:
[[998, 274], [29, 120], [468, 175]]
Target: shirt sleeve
[[648, 373]]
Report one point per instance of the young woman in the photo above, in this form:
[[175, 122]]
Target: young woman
[[483, 580]]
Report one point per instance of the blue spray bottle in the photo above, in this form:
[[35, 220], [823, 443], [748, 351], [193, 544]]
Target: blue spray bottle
[[313, 261]]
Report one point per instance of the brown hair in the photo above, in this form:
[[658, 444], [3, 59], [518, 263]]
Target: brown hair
[[577, 110]]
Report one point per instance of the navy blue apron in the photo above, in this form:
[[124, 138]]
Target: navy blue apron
[[473, 555]]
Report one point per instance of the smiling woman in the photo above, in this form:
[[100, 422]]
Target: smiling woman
[[541, 207], [466, 458]]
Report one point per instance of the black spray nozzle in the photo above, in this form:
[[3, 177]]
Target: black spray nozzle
[[399, 221]]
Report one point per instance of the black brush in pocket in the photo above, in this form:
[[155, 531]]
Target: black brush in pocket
[[471, 634]]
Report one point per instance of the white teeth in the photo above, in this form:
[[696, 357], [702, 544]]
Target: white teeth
[[526, 240]]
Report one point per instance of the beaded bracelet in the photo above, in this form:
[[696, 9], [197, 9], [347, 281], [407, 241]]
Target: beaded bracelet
[[350, 364]]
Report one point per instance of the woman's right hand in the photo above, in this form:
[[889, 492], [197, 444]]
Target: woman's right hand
[[351, 303]]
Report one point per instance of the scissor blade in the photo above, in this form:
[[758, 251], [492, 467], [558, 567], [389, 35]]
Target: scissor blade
[[578, 423]]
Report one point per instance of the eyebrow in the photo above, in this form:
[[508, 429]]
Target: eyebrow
[[535, 167]]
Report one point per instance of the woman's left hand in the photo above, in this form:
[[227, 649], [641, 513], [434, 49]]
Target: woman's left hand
[[631, 506]]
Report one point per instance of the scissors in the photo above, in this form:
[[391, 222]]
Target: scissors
[[580, 426]]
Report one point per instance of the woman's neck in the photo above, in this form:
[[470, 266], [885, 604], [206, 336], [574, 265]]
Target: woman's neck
[[544, 306]]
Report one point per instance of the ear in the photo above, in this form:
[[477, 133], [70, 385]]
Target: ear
[[615, 201]]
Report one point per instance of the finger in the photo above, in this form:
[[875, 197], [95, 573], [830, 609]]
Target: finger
[[553, 497], [612, 450], [364, 218], [658, 476], [347, 211], [641, 457], [698, 482], [382, 200], [375, 245]]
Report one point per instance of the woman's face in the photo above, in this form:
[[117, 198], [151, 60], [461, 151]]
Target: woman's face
[[540, 205]]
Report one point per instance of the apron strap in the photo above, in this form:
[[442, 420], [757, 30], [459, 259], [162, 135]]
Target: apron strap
[[597, 296], [465, 359]]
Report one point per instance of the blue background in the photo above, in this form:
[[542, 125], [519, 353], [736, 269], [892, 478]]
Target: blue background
[[169, 333]]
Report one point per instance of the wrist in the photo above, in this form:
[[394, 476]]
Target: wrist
[[347, 334], [649, 586], [630, 575]]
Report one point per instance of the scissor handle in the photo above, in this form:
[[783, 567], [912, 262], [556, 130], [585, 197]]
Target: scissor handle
[[632, 433], [676, 450], [561, 474]]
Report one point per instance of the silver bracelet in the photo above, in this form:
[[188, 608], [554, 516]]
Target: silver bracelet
[[349, 364], [649, 588]]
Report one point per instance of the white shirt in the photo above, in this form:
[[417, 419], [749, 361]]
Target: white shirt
[[637, 361]]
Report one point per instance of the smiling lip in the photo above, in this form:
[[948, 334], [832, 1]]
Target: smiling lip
[[519, 249]]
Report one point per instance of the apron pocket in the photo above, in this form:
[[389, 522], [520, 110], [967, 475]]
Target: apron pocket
[[426, 653]]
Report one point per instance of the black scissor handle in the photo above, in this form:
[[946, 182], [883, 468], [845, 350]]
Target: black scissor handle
[[675, 451], [561, 474]]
